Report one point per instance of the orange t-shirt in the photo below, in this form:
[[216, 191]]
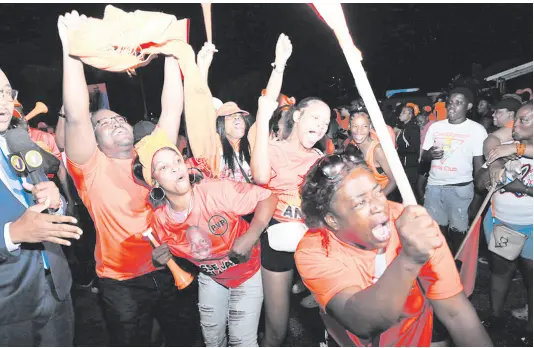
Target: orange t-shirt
[[347, 266], [288, 169], [382, 179], [120, 211], [209, 231], [46, 141]]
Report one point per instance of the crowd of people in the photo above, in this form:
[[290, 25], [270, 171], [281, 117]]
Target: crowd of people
[[299, 197]]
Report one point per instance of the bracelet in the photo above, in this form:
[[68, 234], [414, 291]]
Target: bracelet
[[276, 66], [520, 149]]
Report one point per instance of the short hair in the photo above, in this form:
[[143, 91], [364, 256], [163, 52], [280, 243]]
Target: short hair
[[466, 92]]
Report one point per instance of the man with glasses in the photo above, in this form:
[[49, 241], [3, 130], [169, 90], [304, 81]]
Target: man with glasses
[[99, 148], [35, 281]]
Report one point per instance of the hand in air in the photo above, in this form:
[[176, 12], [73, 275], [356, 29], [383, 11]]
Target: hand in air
[[284, 48], [69, 22], [205, 56]]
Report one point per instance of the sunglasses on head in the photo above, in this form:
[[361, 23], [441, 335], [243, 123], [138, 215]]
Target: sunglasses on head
[[332, 165]]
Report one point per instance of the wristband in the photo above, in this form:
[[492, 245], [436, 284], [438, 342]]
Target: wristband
[[277, 68]]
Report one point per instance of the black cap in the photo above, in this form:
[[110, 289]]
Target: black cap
[[511, 104], [142, 129]]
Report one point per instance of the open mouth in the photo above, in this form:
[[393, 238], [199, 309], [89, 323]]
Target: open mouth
[[382, 231]]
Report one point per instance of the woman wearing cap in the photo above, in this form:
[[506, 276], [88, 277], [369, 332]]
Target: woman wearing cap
[[376, 269], [200, 221], [359, 130]]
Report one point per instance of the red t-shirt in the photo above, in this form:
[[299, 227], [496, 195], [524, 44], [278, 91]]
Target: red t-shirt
[[346, 266], [209, 231]]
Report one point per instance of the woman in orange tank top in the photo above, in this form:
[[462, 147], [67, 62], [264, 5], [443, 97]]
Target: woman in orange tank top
[[359, 135]]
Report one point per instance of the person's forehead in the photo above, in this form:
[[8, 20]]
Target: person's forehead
[[4, 81], [525, 112], [357, 183], [458, 96], [105, 114]]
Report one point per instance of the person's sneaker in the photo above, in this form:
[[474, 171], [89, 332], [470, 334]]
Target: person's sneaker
[[521, 313], [298, 288], [309, 302]]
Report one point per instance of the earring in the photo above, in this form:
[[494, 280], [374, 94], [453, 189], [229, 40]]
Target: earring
[[157, 194]]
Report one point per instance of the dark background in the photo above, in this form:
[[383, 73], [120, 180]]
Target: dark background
[[403, 45]]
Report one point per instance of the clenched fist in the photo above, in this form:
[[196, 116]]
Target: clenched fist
[[419, 234], [161, 255]]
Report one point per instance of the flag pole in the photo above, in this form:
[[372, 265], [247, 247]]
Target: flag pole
[[334, 17]]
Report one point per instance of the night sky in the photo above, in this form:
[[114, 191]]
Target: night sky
[[403, 45]]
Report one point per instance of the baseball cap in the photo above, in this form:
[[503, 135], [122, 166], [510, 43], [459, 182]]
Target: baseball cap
[[142, 129], [230, 108], [511, 104]]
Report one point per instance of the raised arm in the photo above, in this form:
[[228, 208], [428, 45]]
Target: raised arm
[[260, 165], [172, 99], [80, 141], [204, 59], [283, 52], [60, 130]]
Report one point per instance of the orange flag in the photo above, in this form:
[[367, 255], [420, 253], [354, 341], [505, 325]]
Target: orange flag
[[469, 258]]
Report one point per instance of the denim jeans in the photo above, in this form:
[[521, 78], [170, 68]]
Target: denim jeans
[[238, 308], [449, 205]]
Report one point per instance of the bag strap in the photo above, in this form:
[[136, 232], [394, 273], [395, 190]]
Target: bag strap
[[242, 170]]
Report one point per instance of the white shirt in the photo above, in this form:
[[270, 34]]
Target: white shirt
[[515, 208], [460, 143]]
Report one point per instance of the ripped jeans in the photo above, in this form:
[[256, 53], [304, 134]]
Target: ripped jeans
[[238, 308]]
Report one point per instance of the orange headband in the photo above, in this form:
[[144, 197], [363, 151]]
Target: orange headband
[[414, 107], [148, 146]]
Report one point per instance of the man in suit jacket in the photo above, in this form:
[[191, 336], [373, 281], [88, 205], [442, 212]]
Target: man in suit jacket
[[35, 281]]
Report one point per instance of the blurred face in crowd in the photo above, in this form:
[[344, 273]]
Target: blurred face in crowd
[[234, 126], [457, 108], [170, 172], [523, 124], [359, 127], [112, 131], [406, 114], [422, 119], [483, 107], [311, 123], [359, 213], [7, 104], [502, 116]]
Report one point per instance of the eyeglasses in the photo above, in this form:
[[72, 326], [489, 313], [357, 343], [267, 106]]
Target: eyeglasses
[[332, 165], [234, 117], [9, 94], [104, 122]]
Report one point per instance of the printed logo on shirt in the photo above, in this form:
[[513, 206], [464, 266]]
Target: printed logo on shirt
[[218, 225], [525, 177], [293, 213], [449, 145], [217, 267], [199, 242]]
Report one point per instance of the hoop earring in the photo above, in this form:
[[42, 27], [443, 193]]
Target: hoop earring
[[157, 194], [195, 176]]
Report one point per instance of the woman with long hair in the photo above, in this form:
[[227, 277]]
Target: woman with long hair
[[199, 220], [376, 269], [359, 135], [280, 166]]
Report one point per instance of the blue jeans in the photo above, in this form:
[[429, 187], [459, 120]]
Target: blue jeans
[[238, 308], [449, 205]]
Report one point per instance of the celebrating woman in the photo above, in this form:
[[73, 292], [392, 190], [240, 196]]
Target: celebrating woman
[[280, 166], [201, 222], [375, 269], [359, 130]]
